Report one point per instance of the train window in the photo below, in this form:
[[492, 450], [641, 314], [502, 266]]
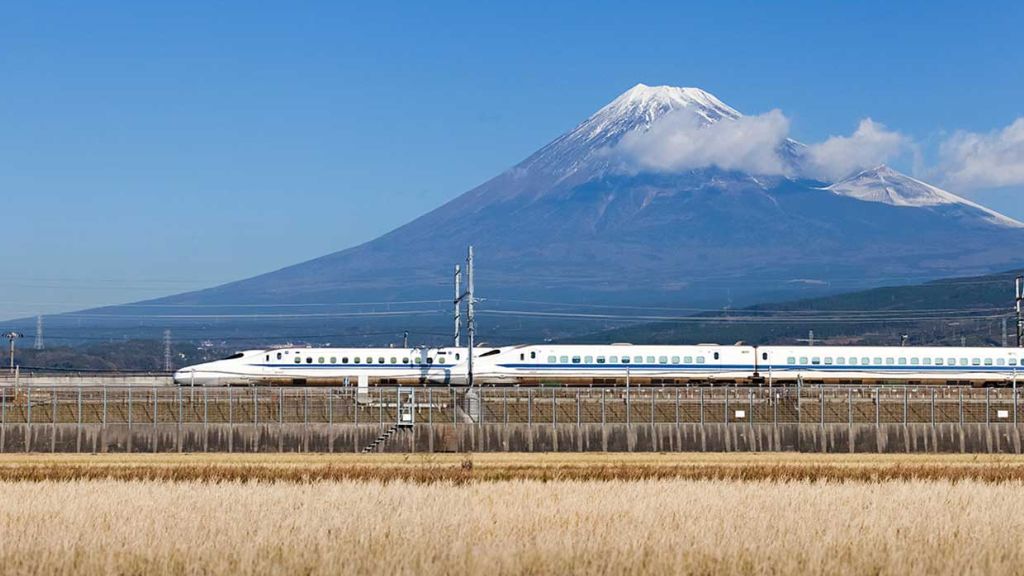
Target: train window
[[828, 360], [650, 359], [853, 360], [791, 360], [298, 360], [457, 355], [975, 361], [417, 360], [309, 360], [320, 360], [902, 361], [563, 360], [662, 359], [334, 360], [356, 360], [625, 359], [394, 360], [716, 355], [890, 361], [575, 359], [1012, 361], [764, 356], [878, 360], [278, 355], [522, 357], [963, 361], [700, 359], [600, 359], [675, 359], [840, 360], [268, 357], [803, 359], [865, 361], [380, 359], [405, 360], [926, 361], [1000, 361], [552, 359], [344, 360], [816, 360], [638, 359], [988, 361], [430, 360], [588, 360], [533, 355], [613, 360], [441, 359], [688, 360]]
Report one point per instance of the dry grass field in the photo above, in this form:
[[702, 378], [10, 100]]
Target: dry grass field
[[168, 514]]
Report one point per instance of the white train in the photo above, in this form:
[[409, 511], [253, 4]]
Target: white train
[[614, 364]]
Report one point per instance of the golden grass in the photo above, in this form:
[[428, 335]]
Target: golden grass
[[460, 469], [612, 527]]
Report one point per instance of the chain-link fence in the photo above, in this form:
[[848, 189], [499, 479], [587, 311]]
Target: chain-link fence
[[138, 406]]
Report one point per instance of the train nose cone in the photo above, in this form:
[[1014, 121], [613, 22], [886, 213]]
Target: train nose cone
[[183, 376]]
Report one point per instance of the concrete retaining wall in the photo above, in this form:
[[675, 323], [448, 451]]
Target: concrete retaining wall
[[864, 438], [86, 380]]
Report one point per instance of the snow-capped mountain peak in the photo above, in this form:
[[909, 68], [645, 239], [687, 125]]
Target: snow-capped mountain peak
[[582, 149], [652, 102], [887, 186]]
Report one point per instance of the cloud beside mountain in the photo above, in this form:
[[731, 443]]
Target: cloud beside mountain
[[974, 161], [684, 140], [870, 145], [681, 141]]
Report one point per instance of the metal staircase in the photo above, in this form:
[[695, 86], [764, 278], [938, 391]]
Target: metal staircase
[[384, 437]]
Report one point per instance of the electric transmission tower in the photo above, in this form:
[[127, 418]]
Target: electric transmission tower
[[167, 351], [39, 332]]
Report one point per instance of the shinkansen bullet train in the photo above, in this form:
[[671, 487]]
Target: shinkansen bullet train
[[611, 365]]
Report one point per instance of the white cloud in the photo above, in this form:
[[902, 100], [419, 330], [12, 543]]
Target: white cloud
[[681, 141], [971, 161], [839, 156]]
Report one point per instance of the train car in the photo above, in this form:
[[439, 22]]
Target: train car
[[890, 365], [331, 367], [617, 364]]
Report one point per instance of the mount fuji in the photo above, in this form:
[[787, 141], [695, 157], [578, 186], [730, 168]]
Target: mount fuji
[[578, 221]]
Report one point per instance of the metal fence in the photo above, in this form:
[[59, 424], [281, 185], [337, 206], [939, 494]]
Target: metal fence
[[135, 406]]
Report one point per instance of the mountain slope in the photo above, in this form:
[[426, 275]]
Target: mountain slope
[[572, 219], [941, 312], [885, 185]]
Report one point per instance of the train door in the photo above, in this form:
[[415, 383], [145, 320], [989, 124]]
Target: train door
[[763, 365]]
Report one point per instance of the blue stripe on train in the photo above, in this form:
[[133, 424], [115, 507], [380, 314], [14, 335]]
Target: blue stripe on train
[[393, 366]]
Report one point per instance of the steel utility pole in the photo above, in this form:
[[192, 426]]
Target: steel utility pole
[[1019, 305], [458, 307], [470, 312], [11, 337], [470, 299]]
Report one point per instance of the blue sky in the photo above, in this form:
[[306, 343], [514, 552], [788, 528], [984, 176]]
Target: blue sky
[[150, 148]]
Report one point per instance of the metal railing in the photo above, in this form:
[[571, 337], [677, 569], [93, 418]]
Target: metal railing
[[153, 406]]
